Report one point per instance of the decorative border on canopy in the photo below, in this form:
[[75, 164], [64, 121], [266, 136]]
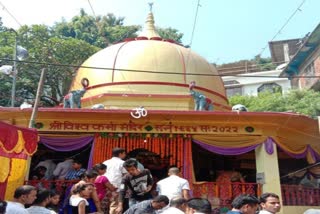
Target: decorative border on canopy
[[18, 140], [237, 145]]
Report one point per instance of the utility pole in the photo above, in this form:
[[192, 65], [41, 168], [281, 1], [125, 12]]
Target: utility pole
[[36, 103], [34, 113], [19, 53], [14, 70], [246, 66]]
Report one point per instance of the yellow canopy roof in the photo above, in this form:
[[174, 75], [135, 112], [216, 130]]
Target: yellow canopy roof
[[293, 131]]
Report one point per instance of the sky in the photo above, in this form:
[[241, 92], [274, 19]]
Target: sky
[[225, 30]]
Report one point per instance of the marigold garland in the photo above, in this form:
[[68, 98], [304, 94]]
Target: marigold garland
[[143, 135]]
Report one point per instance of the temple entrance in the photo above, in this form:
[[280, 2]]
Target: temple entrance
[[44, 154], [156, 152], [300, 180], [150, 160], [209, 166], [220, 178], [292, 170]]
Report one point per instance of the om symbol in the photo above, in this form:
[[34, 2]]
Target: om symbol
[[139, 112]]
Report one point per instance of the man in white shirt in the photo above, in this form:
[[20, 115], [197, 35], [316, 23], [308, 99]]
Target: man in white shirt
[[62, 169], [173, 186], [23, 195], [114, 173], [39, 205], [312, 211], [50, 166], [269, 203], [177, 206]]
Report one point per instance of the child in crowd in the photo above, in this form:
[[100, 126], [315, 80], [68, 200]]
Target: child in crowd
[[54, 201], [88, 178], [104, 187], [78, 202]]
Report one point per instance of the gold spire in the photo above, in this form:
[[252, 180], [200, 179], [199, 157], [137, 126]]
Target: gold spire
[[149, 29]]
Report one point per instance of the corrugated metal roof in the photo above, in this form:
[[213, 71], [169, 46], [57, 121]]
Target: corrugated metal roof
[[305, 50], [277, 49]]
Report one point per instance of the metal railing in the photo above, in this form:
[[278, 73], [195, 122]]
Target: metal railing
[[222, 194], [59, 186], [219, 194], [298, 195]]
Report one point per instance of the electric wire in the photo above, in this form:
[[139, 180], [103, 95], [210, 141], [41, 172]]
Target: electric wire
[[192, 32], [101, 30], [194, 23], [96, 22], [245, 68], [10, 14], [221, 67], [155, 72], [283, 26], [94, 14], [300, 170]]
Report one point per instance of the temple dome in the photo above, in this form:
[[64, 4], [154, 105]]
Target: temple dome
[[144, 66]]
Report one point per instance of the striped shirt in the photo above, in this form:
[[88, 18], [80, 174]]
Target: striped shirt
[[74, 174]]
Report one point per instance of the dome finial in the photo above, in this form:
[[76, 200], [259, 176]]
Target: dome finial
[[150, 5], [149, 29]]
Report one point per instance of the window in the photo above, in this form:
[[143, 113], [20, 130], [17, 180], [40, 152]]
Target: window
[[309, 71], [270, 87], [230, 82], [231, 91]]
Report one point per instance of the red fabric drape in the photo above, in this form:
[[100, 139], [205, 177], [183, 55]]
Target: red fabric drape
[[9, 138], [31, 141], [3, 187], [168, 147], [188, 162], [15, 142]]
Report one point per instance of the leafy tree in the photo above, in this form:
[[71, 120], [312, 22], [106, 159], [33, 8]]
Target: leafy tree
[[170, 33], [100, 31], [265, 64], [2, 28], [43, 48], [253, 65], [7, 41], [301, 101], [105, 30]]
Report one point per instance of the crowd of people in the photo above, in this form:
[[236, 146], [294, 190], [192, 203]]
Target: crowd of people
[[119, 186], [114, 186]]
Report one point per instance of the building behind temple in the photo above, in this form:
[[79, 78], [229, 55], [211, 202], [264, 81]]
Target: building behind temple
[[251, 79]]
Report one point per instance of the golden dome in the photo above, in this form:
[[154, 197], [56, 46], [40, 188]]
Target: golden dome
[[143, 67]]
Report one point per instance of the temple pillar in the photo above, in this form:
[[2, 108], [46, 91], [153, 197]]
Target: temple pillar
[[268, 169]]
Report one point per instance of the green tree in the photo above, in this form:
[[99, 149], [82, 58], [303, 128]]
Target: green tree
[[7, 41], [253, 65], [265, 64], [2, 27], [300, 101], [170, 33], [44, 49], [100, 31]]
